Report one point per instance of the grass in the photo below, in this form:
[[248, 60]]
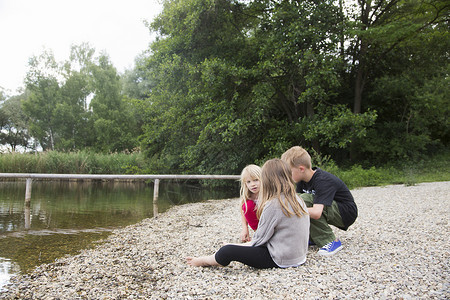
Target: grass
[[437, 168]]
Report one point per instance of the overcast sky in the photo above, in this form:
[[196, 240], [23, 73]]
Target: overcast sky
[[27, 27]]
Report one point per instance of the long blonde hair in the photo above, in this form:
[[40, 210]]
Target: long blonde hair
[[277, 182], [249, 172]]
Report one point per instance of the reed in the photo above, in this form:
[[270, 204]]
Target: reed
[[81, 162]]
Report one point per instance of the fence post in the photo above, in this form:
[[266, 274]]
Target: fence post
[[28, 190], [155, 198], [27, 213], [27, 210]]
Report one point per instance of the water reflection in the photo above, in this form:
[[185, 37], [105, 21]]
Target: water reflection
[[64, 217], [72, 205], [7, 269], [27, 212]]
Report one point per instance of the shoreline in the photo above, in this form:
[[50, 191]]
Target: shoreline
[[397, 248]]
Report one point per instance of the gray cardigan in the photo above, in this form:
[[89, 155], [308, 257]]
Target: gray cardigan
[[285, 237]]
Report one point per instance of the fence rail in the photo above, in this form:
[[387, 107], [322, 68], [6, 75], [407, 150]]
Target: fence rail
[[30, 176], [112, 176]]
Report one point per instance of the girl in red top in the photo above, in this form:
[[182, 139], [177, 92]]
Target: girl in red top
[[250, 184]]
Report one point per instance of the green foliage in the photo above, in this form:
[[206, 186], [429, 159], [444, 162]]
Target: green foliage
[[359, 177], [40, 104], [436, 168], [413, 113], [337, 126], [78, 104], [400, 52], [228, 83], [81, 162], [13, 124], [215, 108], [135, 82], [196, 113]]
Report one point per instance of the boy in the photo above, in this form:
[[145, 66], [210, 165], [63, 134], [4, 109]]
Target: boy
[[328, 199]]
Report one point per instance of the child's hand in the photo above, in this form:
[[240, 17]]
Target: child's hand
[[245, 236]]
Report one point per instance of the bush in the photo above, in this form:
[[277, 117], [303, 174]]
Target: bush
[[436, 168]]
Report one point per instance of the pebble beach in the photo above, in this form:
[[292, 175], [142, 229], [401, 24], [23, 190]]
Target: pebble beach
[[398, 248]]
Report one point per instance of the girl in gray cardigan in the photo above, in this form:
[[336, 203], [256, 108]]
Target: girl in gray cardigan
[[281, 239]]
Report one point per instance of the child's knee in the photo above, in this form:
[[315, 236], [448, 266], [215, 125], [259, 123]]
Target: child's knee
[[223, 256]]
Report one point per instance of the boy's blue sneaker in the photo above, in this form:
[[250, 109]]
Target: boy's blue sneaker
[[330, 248]]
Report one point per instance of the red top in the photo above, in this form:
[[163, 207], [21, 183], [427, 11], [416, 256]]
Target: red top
[[250, 215]]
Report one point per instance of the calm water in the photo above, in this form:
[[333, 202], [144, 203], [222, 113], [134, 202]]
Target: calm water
[[65, 217]]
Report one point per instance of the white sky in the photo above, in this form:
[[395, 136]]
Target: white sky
[[27, 27]]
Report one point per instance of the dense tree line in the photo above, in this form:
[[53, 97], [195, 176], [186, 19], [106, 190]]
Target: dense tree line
[[229, 82]]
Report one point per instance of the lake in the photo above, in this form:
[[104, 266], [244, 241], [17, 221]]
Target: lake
[[67, 216]]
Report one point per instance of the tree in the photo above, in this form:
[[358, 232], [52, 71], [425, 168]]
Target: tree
[[56, 103], [115, 126], [136, 82], [301, 62], [399, 49], [382, 27], [13, 124], [78, 104], [43, 95], [237, 83], [196, 71]]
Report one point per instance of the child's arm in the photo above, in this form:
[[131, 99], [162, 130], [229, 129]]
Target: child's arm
[[245, 235], [315, 212]]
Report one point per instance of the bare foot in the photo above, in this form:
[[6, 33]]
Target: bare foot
[[202, 261]]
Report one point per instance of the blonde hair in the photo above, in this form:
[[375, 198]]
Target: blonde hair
[[276, 182], [249, 172], [297, 156]]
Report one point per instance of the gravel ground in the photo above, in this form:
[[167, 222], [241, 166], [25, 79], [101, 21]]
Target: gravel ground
[[398, 248]]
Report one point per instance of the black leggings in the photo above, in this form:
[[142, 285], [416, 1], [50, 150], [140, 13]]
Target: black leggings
[[257, 257]]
